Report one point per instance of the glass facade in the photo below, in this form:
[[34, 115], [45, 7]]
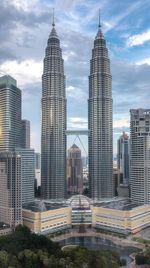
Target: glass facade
[[10, 114], [100, 121], [28, 174], [25, 134], [53, 134]]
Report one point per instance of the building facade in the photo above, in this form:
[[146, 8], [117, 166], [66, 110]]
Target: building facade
[[117, 215], [49, 219], [123, 156], [121, 221], [140, 155], [37, 161], [53, 134], [100, 121], [27, 174], [10, 114], [10, 189], [25, 134], [74, 171]]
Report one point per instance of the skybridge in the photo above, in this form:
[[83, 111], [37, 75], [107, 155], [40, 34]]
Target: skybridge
[[77, 132]]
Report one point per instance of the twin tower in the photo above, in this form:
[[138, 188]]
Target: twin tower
[[54, 122]]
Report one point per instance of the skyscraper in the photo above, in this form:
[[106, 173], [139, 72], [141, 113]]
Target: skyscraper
[[75, 170], [27, 174], [10, 114], [53, 136], [10, 189], [100, 121], [25, 134], [140, 155], [123, 156]]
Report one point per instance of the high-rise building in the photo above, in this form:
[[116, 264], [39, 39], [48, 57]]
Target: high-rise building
[[37, 169], [10, 189], [75, 171], [25, 134], [140, 155], [53, 134], [27, 174], [100, 121], [123, 156], [10, 114], [37, 160]]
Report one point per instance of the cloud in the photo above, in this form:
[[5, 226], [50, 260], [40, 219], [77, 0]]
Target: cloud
[[144, 61], [76, 93], [138, 39], [111, 23], [25, 72], [77, 123], [121, 123]]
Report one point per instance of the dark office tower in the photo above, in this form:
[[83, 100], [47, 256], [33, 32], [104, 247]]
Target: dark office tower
[[123, 156], [53, 137], [100, 121], [37, 161], [25, 134], [10, 114]]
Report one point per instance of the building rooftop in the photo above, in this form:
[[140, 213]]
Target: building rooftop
[[118, 204], [79, 201], [39, 206]]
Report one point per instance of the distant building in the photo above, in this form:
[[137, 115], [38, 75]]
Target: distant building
[[75, 170], [25, 134], [28, 174], [140, 155], [10, 114], [38, 168], [37, 161], [123, 156], [10, 189]]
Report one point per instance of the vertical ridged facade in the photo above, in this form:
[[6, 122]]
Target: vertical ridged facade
[[100, 121], [140, 155], [53, 134]]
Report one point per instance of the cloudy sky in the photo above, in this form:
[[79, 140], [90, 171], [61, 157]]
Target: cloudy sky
[[24, 29]]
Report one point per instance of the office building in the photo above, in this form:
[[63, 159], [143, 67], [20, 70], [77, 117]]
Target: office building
[[37, 161], [38, 169], [140, 155], [75, 171], [100, 121], [25, 134], [10, 189], [10, 114], [28, 174], [123, 156], [53, 133]]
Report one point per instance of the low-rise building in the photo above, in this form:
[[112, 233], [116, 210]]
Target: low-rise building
[[126, 218], [43, 217], [117, 215]]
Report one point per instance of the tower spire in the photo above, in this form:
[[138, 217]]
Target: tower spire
[[99, 24], [53, 22]]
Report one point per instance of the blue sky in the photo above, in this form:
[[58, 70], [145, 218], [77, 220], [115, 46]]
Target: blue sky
[[24, 29]]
